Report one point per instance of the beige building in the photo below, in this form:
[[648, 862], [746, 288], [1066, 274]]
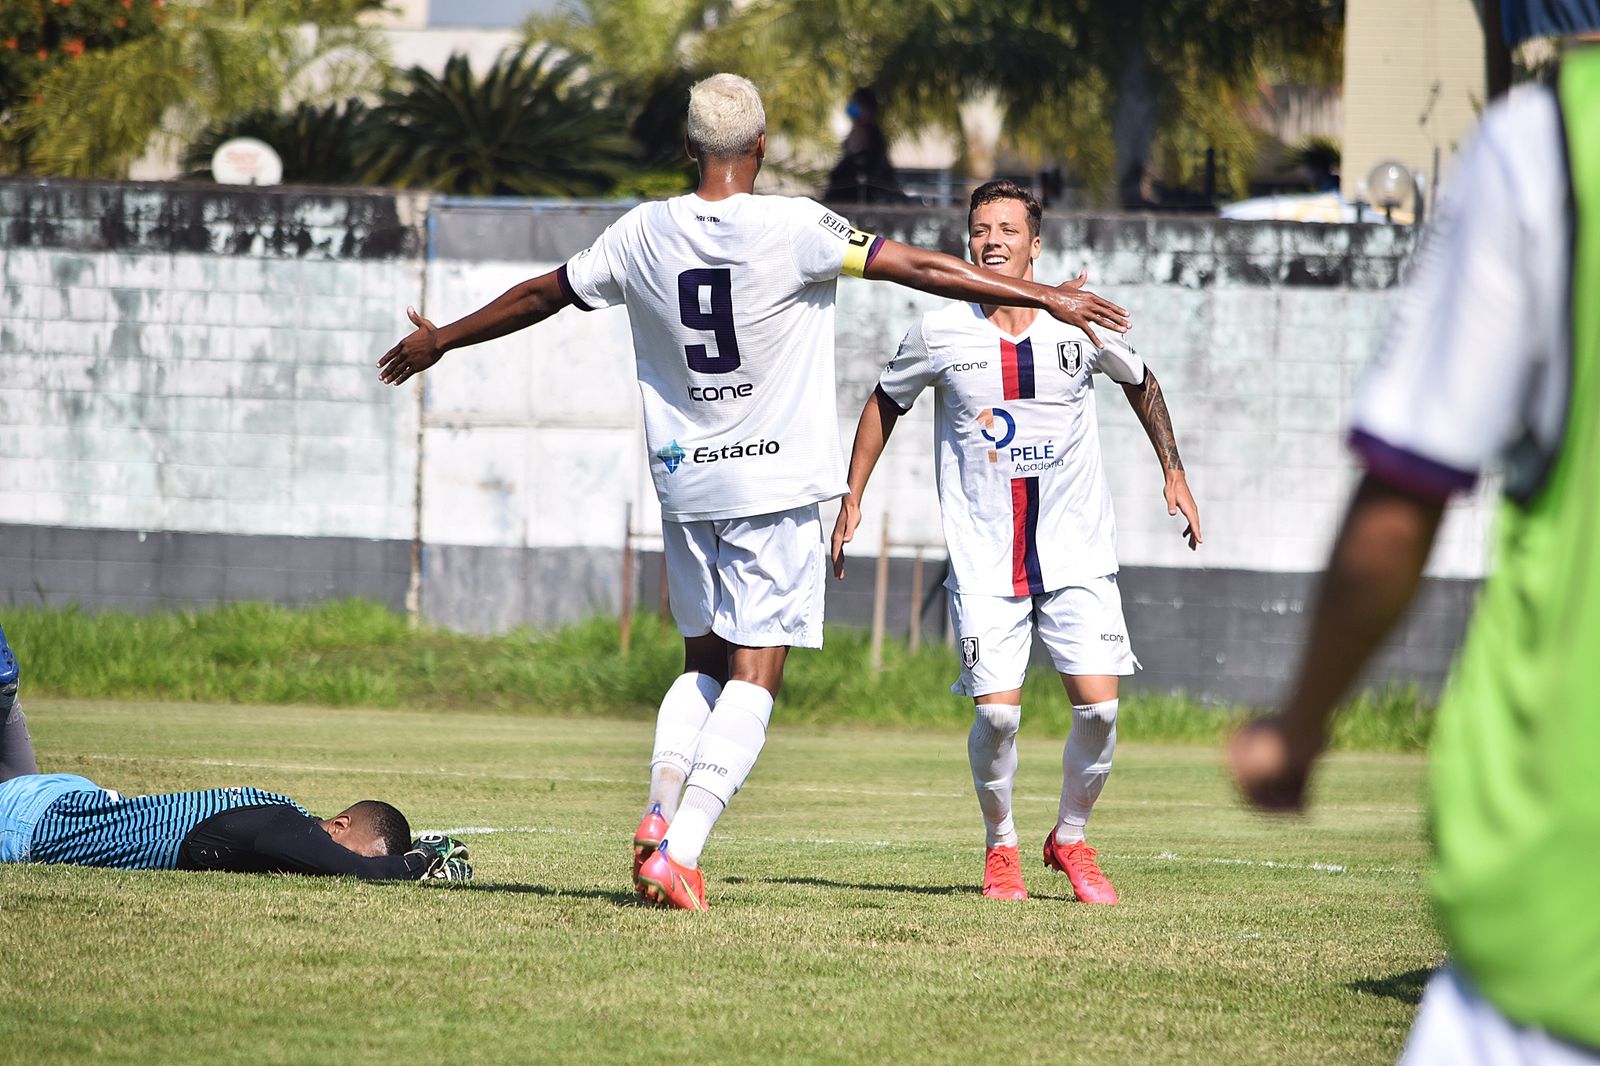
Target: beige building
[[1414, 86]]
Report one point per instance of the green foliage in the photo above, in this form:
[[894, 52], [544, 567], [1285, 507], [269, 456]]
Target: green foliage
[[204, 64], [1057, 70], [354, 653], [37, 36], [316, 144], [845, 923], [531, 127]]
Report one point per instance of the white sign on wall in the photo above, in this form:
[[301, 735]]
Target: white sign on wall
[[246, 161]]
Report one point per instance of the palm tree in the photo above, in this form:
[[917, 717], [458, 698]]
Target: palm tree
[[1087, 79], [530, 127], [646, 51], [205, 64]]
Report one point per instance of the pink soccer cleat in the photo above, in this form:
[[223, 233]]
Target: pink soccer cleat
[[1002, 874], [1089, 883], [646, 839], [670, 884]]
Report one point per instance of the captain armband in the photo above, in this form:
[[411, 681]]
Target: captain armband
[[859, 249]]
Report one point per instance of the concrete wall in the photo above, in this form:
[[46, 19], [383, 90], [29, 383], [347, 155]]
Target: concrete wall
[[1414, 84], [189, 413], [195, 363]]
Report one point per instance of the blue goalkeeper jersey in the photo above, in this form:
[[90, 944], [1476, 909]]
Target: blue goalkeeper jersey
[[100, 828]]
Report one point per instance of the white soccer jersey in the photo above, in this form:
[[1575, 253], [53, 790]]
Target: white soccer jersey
[[1022, 491], [1474, 366], [731, 305]]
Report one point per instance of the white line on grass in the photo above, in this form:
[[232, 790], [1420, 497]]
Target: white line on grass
[[1165, 856], [502, 775]]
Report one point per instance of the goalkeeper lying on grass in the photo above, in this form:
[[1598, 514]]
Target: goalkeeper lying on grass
[[65, 818]]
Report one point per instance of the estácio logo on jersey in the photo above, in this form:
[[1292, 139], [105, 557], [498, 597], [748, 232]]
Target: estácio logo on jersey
[[673, 455]]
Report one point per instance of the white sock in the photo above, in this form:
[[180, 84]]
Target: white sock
[[678, 723], [1085, 765], [729, 746], [992, 754]]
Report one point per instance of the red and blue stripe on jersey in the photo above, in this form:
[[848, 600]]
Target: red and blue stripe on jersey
[[1016, 369], [1027, 579]]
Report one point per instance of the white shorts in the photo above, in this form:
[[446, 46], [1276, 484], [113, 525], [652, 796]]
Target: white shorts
[[756, 581], [1081, 625], [1455, 1026]]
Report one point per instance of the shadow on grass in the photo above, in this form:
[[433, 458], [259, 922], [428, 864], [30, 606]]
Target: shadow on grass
[[1405, 987], [618, 899], [818, 882]]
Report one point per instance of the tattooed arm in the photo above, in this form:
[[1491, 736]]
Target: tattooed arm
[[1151, 409]]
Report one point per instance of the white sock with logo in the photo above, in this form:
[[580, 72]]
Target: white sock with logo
[[992, 754], [1085, 765], [729, 746], [683, 714]]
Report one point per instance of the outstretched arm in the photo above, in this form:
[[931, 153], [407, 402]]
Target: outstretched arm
[[1372, 576], [872, 433], [517, 308], [1151, 409], [957, 279]]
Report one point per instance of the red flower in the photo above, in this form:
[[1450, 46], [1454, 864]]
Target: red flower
[[73, 47]]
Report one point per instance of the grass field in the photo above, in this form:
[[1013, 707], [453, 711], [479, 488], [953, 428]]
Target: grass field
[[359, 654], [846, 922]]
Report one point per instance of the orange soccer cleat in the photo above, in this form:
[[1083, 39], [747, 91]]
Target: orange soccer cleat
[[1089, 883], [663, 881], [1002, 874], [646, 839]]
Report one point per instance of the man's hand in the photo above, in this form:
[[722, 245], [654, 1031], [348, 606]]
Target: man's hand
[[444, 858], [1271, 765], [1085, 310], [844, 530], [413, 355], [1179, 498]]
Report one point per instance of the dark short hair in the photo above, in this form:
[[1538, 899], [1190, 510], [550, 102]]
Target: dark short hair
[[1006, 189], [387, 823]]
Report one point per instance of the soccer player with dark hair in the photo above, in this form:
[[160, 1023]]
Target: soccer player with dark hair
[[1493, 357], [730, 297], [1027, 519], [65, 818]]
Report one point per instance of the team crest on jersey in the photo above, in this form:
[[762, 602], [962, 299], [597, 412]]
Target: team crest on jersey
[[671, 456], [1070, 355], [969, 652]]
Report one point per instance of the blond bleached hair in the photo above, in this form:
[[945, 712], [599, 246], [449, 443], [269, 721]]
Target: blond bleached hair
[[725, 116]]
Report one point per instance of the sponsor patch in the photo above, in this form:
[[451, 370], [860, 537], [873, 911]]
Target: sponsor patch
[[990, 422], [835, 225], [671, 456]]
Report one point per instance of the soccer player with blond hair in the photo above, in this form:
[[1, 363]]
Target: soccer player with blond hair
[[730, 297], [1028, 523]]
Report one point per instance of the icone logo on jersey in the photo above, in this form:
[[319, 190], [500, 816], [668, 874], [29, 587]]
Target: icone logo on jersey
[[980, 365], [715, 393]]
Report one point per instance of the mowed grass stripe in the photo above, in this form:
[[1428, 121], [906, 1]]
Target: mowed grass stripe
[[847, 924]]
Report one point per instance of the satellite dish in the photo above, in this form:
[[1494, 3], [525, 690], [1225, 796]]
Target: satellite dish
[[1389, 185], [246, 161]]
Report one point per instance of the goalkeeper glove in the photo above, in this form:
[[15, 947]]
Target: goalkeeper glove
[[444, 858]]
